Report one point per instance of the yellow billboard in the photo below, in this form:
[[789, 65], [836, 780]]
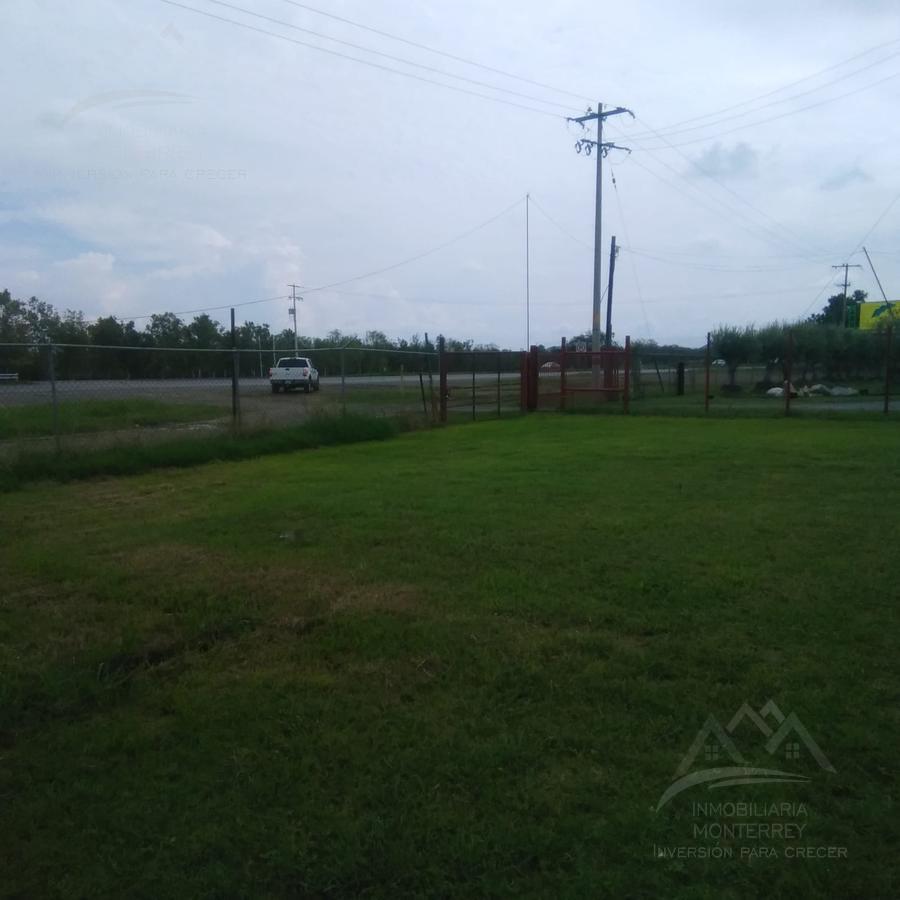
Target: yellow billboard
[[871, 315]]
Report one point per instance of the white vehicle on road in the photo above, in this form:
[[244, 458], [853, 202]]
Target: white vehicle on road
[[294, 372]]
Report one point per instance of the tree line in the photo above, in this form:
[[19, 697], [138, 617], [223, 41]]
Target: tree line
[[109, 347], [823, 347]]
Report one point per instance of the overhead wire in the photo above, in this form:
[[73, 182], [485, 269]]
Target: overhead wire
[[634, 269], [710, 267], [673, 130], [365, 62], [435, 50], [553, 221], [398, 59], [417, 257], [742, 221], [203, 309], [775, 118], [853, 253], [791, 238]]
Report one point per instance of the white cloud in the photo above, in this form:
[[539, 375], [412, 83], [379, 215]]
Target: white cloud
[[164, 160], [717, 161]]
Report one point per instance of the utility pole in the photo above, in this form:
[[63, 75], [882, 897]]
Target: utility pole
[[527, 276], [877, 279], [293, 312], [587, 146], [846, 267], [613, 253]]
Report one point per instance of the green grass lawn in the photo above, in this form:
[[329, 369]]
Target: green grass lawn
[[99, 415], [464, 662]]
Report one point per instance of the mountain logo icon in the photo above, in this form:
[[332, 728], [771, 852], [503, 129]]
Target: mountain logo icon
[[786, 738]]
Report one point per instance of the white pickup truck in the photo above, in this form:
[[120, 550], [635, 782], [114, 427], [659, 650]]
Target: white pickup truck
[[294, 372]]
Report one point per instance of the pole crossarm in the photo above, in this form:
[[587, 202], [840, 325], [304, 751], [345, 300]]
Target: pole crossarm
[[586, 144], [590, 115]]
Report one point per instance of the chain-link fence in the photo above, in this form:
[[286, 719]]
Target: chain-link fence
[[803, 370], [479, 384], [66, 395], [73, 395]]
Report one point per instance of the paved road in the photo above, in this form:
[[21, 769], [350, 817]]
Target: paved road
[[203, 390]]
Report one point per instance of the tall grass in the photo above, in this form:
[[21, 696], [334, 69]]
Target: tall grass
[[320, 431]]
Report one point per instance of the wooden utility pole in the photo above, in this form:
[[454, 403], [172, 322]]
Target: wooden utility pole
[[293, 312], [586, 146], [613, 253], [527, 275], [846, 267]]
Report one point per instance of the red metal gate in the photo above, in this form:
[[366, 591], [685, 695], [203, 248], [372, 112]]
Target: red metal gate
[[571, 378]]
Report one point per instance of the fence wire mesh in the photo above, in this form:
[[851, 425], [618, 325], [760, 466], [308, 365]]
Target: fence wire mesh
[[72, 395], [87, 396]]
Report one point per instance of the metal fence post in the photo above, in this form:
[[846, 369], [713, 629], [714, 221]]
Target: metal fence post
[[473, 387], [235, 377], [627, 385], [887, 368], [788, 361], [523, 381], [343, 384], [706, 380], [442, 379], [533, 378], [51, 371], [422, 389], [562, 374], [499, 366]]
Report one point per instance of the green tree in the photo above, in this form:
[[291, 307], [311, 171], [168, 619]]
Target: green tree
[[736, 346], [832, 313]]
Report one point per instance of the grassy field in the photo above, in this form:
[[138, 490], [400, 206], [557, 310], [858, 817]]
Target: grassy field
[[458, 663], [79, 416]]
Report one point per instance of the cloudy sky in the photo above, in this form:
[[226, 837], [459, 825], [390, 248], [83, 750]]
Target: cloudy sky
[[159, 158]]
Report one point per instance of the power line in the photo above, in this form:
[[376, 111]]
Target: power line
[[878, 221], [856, 250], [446, 55], [553, 221], [669, 252], [365, 62], [634, 269], [188, 312], [389, 56], [711, 268], [335, 284], [417, 257], [673, 130], [792, 238], [783, 115], [727, 207], [815, 299], [426, 301]]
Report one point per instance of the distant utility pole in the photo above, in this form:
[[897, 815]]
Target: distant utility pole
[[293, 312], [846, 267], [527, 277], [613, 253], [587, 146]]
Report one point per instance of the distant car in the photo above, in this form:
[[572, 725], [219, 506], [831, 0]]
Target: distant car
[[294, 372], [719, 362]]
